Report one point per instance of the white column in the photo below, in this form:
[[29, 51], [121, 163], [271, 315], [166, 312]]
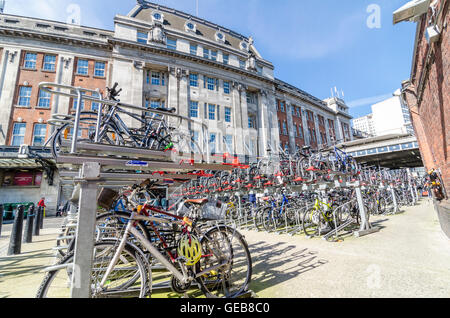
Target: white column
[[8, 80]]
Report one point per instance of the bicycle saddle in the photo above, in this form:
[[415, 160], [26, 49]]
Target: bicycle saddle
[[197, 201], [167, 110]]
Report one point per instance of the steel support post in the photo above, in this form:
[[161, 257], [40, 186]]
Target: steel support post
[[394, 200], [366, 227], [84, 246]]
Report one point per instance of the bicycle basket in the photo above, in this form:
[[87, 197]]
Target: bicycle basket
[[106, 198], [214, 211]]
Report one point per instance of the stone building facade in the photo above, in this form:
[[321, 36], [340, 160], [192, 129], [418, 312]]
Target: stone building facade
[[427, 94], [167, 58]]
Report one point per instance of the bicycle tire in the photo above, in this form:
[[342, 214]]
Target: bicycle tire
[[64, 290], [225, 283]]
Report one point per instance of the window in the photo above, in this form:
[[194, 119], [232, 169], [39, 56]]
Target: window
[[252, 122], [211, 83], [210, 54], [212, 143], [194, 142], [296, 130], [83, 67], [214, 55], [299, 112], [211, 112], [99, 69], [312, 133], [300, 131], [242, 64], [44, 99], [155, 78], [40, 131], [252, 98], [285, 132], [75, 102], [227, 114], [193, 80], [226, 87], [282, 107], [226, 59], [30, 60], [228, 139], [49, 63], [95, 106], [142, 37], [293, 110], [24, 96], [18, 135], [172, 44], [193, 111], [193, 49]]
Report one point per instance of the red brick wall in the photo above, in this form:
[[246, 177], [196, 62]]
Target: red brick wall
[[30, 115], [430, 106], [89, 81]]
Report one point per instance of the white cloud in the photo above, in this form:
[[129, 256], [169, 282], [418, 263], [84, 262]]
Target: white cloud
[[368, 100]]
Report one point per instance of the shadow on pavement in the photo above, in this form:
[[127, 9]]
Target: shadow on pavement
[[276, 263]]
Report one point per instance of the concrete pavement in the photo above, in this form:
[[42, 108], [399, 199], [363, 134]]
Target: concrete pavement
[[409, 257], [21, 275]]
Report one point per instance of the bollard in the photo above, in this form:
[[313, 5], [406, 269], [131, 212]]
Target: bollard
[[15, 242], [28, 234], [41, 219], [37, 222], [1, 218]]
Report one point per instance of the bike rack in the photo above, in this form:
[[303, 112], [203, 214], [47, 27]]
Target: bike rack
[[80, 94]]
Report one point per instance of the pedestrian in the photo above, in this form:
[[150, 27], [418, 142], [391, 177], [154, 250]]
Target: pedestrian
[[42, 204]]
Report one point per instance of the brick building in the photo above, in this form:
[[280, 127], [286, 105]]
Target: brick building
[[160, 57], [427, 94]]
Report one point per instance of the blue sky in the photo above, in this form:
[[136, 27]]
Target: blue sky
[[314, 45]]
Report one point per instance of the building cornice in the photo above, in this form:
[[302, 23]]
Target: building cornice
[[16, 32], [168, 52]]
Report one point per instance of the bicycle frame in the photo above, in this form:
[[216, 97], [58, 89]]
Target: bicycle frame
[[182, 276]]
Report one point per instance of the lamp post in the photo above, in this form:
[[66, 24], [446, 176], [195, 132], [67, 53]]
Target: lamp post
[[2, 5]]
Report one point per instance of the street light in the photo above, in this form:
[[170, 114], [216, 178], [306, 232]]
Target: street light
[[2, 5]]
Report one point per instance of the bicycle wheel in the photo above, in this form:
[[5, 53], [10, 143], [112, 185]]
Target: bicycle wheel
[[271, 219], [311, 222], [225, 250], [63, 138], [129, 276]]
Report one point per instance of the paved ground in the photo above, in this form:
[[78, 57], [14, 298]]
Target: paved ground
[[409, 257], [21, 275]]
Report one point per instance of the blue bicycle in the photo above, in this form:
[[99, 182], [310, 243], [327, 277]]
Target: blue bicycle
[[278, 213]]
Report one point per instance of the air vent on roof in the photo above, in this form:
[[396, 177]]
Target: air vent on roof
[[11, 21], [61, 28], [89, 33], [40, 25]]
